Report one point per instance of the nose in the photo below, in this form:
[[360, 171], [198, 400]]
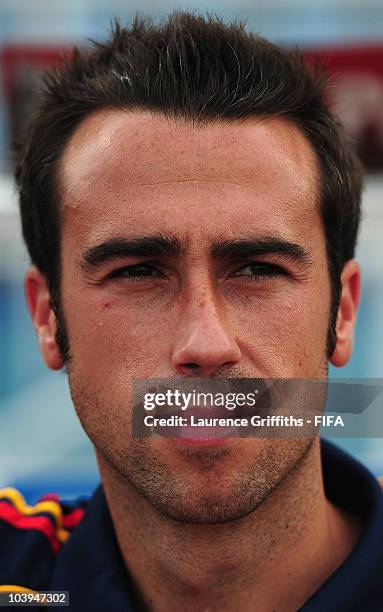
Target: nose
[[205, 342]]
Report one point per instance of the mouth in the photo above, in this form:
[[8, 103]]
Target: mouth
[[205, 426]]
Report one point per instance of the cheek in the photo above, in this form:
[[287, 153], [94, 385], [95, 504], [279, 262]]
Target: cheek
[[104, 409], [118, 338], [286, 336]]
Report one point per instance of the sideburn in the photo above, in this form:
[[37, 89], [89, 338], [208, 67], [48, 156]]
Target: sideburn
[[61, 336]]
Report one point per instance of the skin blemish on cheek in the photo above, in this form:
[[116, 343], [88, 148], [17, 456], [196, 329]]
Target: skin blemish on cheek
[[107, 304]]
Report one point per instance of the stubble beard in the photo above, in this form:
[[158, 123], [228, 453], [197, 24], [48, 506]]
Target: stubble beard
[[217, 488], [194, 501]]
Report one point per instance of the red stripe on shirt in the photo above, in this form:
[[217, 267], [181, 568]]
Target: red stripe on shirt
[[71, 520], [43, 524]]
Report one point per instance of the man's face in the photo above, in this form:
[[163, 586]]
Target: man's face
[[241, 289]]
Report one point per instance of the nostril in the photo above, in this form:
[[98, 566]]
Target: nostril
[[191, 366]]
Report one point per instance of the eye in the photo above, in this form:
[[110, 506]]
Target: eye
[[260, 270], [137, 272]]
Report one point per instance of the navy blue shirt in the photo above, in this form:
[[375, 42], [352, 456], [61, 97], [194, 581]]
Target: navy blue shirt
[[89, 564]]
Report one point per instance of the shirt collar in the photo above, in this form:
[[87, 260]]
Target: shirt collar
[[91, 567], [358, 583]]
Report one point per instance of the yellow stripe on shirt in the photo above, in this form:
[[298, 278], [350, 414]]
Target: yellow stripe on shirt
[[19, 502], [49, 506], [16, 588]]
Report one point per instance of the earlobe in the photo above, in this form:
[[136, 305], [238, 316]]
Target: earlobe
[[347, 311], [44, 319]]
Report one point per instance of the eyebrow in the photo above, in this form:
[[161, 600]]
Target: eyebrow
[[269, 245], [143, 246], [168, 245]]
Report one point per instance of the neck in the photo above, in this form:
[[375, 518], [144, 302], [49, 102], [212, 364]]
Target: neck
[[272, 559]]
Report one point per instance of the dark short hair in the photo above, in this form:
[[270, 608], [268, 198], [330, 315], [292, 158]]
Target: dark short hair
[[198, 69]]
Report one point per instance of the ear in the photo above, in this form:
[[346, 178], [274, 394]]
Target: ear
[[44, 319], [347, 311]]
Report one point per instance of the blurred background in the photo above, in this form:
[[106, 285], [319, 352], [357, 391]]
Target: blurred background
[[42, 446]]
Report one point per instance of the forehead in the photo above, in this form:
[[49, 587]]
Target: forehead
[[123, 169]]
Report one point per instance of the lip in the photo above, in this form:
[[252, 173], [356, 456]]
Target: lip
[[204, 436]]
